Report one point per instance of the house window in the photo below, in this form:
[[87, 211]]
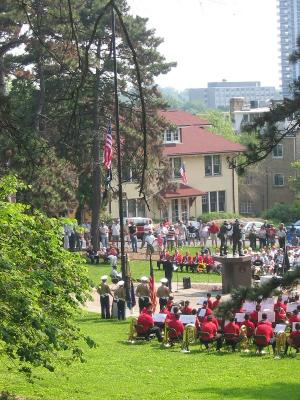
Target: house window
[[205, 207], [171, 136], [175, 165], [133, 208], [214, 202], [175, 210], [278, 151], [221, 200], [212, 165], [278, 180], [247, 207]]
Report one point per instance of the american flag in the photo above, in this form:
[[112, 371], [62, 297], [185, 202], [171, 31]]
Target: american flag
[[183, 174], [108, 150], [152, 286]]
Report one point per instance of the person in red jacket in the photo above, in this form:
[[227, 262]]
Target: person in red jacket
[[291, 339], [187, 261], [145, 324], [279, 303], [208, 261], [216, 302], [208, 311], [233, 332], [249, 325], [208, 332], [264, 329], [176, 327]]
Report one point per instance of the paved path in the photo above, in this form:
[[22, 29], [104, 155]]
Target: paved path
[[197, 290]]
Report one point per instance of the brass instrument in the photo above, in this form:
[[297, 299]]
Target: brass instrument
[[244, 343], [132, 330], [189, 335], [280, 344]]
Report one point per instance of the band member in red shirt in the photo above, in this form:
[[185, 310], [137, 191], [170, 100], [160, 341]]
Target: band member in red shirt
[[208, 311], [209, 301], [264, 320], [198, 259], [280, 304], [186, 309], [231, 334], [280, 315], [176, 327], [216, 302], [208, 332], [264, 329], [145, 324], [213, 319], [249, 325], [295, 317]]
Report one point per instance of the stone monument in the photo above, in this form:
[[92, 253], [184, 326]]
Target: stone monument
[[236, 272]]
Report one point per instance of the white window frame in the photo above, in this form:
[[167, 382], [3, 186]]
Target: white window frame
[[171, 160], [278, 174], [247, 207], [208, 202], [171, 136], [212, 164], [279, 145]]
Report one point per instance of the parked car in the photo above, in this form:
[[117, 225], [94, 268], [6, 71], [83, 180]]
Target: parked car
[[140, 222], [249, 224]]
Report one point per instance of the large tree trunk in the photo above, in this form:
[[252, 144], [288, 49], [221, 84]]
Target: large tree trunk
[[96, 166], [2, 78]]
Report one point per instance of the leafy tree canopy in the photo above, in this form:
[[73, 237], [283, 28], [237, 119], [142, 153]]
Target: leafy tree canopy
[[41, 287]]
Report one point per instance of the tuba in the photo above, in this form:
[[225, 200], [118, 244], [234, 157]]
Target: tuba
[[244, 343], [189, 335], [280, 344], [132, 331]]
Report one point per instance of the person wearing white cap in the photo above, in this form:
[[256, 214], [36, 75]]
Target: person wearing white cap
[[120, 298], [163, 293], [104, 292], [143, 293]]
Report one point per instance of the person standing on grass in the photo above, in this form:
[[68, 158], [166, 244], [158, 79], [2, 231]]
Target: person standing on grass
[[115, 232], [104, 234], [171, 238], [281, 234], [168, 267], [133, 236], [120, 297], [104, 292], [213, 231]]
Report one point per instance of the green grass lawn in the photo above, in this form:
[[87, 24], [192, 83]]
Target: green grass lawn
[[115, 371]]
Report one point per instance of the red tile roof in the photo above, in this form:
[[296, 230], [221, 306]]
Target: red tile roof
[[197, 140], [181, 191], [182, 118]]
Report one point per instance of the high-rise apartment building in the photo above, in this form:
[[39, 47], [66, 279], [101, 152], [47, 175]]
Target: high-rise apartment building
[[218, 94], [289, 26]]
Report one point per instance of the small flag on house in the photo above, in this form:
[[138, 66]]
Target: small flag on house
[[183, 174], [108, 150]]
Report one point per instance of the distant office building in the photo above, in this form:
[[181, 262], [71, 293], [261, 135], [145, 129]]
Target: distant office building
[[218, 94], [289, 28]]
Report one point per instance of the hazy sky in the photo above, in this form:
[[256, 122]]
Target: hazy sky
[[213, 40]]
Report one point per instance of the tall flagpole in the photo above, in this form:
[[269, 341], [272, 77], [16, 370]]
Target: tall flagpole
[[117, 123]]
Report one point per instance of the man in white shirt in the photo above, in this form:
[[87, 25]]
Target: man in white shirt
[[115, 232], [149, 240], [104, 232]]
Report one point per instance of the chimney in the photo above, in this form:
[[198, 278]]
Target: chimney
[[236, 104]]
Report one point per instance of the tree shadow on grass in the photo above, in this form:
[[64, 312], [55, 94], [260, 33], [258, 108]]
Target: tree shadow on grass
[[276, 391]]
